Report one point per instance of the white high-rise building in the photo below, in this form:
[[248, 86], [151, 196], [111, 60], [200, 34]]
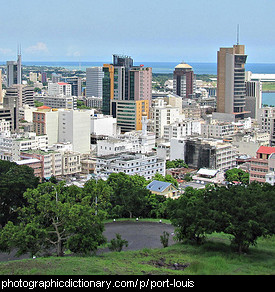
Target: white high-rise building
[[94, 77], [60, 88], [74, 127]]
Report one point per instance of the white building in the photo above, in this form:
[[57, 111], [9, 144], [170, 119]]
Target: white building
[[94, 77], [60, 101], [70, 163], [103, 125], [146, 165], [59, 88], [161, 115], [75, 127], [216, 129], [182, 128]]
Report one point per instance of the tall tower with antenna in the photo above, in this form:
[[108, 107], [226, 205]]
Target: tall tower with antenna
[[19, 65]]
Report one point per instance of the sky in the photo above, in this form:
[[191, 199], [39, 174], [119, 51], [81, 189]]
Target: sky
[[146, 30]]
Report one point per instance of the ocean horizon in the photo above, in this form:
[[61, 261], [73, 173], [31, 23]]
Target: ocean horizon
[[157, 67]]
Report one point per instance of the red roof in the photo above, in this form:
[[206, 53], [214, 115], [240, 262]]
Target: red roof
[[266, 150], [44, 107], [62, 83]]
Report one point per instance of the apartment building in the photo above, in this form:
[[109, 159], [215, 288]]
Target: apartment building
[[59, 88], [146, 165], [203, 153], [51, 161], [266, 120], [61, 101], [216, 129], [71, 163], [161, 115], [259, 165]]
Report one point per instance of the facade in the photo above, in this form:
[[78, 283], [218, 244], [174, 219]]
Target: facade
[[60, 88], [217, 129], [71, 163], [60, 101], [266, 120], [23, 94], [253, 98], [146, 165], [129, 113], [75, 83], [51, 161], [162, 115], [162, 188], [45, 122], [94, 76], [14, 72], [74, 127], [184, 81], [231, 80], [203, 153], [35, 164], [260, 165], [181, 129]]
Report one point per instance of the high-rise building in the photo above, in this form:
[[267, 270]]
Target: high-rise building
[[75, 83], [184, 81], [1, 93], [14, 71], [126, 88], [94, 76], [231, 80]]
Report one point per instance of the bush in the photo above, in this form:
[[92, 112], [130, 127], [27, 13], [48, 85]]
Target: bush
[[116, 244]]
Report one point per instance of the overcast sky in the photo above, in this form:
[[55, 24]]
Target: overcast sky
[[146, 30]]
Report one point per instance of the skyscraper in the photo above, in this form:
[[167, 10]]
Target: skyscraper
[[184, 80], [14, 71], [94, 76], [231, 80]]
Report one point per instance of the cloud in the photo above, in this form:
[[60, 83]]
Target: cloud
[[5, 51], [71, 52], [38, 48]]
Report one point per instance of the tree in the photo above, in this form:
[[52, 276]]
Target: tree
[[238, 175], [128, 196], [191, 216], [244, 211], [54, 216], [116, 244], [167, 178], [14, 181]]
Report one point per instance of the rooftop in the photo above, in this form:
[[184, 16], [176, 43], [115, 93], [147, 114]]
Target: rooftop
[[158, 186], [266, 150]]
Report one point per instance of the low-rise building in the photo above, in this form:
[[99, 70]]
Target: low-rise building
[[146, 165], [260, 165], [162, 188]]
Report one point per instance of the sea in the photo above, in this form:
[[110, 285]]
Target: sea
[[168, 68]]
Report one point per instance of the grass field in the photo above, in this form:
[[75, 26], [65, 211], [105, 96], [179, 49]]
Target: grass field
[[213, 258]]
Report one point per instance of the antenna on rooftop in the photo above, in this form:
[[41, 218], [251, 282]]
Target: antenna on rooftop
[[238, 34]]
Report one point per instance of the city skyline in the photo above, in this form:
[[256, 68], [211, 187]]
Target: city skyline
[[147, 30]]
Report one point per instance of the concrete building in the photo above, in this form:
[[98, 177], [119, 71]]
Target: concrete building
[[161, 115], [14, 72], [60, 101], [76, 85], [231, 80], [260, 165], [146, 165], [94, 76], [129, 113], [51, 161], [75, 127], [266, 121], [45, 121], [216, 129], [184, 81], [59, 88], [253, 96], [71, 163], [203, 153]]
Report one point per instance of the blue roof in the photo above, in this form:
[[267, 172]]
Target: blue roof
[[158, 186]]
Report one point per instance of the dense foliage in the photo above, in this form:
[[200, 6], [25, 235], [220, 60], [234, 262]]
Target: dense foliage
[[246, 212]]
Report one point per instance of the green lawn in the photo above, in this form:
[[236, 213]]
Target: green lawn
[[213, 258]]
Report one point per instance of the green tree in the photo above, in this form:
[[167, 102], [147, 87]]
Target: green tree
[[244, 211], [116, 244], [236, 174], [128, 196], [54, 216], [168, 178], [14, 181], [190, 215]]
